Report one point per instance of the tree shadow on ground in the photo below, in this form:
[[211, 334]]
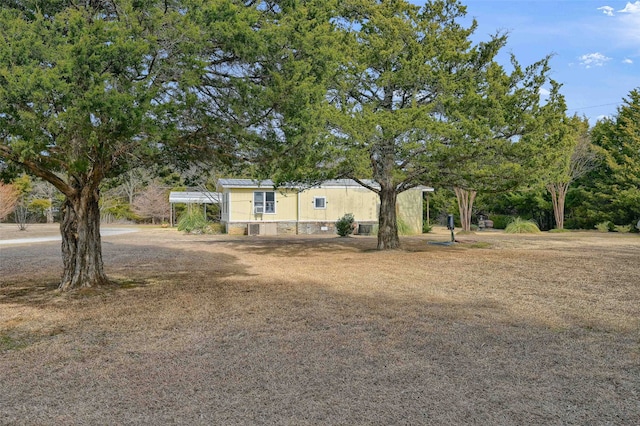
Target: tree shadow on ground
[[127, 266], [297, 246], [303, 353]]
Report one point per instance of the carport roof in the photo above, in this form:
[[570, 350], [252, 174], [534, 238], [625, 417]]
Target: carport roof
[[194, 197]]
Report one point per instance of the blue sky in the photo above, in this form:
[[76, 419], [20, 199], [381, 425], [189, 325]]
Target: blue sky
[[595, 45]]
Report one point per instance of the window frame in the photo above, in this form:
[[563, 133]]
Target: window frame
[[324, 203], [264, 202]]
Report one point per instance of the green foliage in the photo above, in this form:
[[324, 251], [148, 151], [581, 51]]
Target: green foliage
[[403, 227], [426, 227], [293, 59], [88, 92], [575, 157], [521, 226], [39, 206], [559, 231], [193, 222], [500, 221], [120, 211], [623, 228], [411, 99], [605, 226], [612, 191], [441, 202], [344, 225], [24, 185], [91, 89]]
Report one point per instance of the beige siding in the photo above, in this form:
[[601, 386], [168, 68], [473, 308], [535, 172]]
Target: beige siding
[[297, 212], [410, 209], [339, 201], [241, 206]]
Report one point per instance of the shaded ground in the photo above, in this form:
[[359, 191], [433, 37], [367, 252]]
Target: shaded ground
[[252, 330]]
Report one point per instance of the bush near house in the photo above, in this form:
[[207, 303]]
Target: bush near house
[[344, 225]]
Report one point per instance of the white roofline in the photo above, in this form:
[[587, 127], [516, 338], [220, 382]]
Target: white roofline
[[266, 184]]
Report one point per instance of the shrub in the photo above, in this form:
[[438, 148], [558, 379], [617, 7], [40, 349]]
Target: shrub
[[623, 228], [521, 226], [216, 228], [344, 225], [426, 227], [604, 226], [500, 221], [193, 222]]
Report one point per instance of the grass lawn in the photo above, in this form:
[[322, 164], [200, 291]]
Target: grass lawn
[[499, 329]]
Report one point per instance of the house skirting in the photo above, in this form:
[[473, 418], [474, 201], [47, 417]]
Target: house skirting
[[293, 228]]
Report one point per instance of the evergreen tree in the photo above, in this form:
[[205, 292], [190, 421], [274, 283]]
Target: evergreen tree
[[612, 191], [416, 102], [90, 89]]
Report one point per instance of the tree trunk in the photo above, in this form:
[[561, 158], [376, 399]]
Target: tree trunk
[[558, 195], [465, 206], [81, 245], [387, 220], [50, 211]]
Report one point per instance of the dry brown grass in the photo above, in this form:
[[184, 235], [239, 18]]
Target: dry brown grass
[[500, 329]]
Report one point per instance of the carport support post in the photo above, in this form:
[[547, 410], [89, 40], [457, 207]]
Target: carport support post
[[428, 221]]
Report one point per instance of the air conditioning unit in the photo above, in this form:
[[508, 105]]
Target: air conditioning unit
[[253, 229], [365, 229]]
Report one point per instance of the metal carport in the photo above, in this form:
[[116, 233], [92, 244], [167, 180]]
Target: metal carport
[[187, 197]]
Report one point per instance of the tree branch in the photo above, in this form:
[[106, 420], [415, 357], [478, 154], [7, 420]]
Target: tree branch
[[34, 167]]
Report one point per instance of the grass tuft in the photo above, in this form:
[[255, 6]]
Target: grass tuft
[[403, 227], [604, 226], [521, 226], [623, 228], [193, 222], [8, 343]]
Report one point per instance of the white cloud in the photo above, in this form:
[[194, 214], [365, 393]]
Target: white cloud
[[632, 8], [544, 92], [593, 60], [629, 24], [624, 27], [607, 10], [627, 61]]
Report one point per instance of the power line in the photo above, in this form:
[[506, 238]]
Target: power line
[[593, 106]]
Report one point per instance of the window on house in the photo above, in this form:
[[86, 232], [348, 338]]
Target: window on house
[[319, 202], [264, 202]]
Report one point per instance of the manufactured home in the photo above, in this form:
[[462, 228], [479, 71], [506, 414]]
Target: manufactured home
[[250, 207]]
